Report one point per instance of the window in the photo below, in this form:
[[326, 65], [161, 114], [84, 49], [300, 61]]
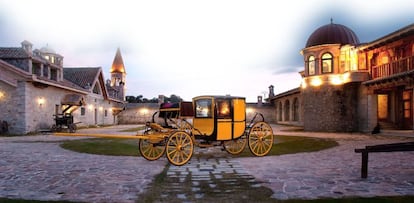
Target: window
[[311, 65], [53, 74], [83, 110], [96, 89], [106, 113], [327, 63], [203, 108], [223, 109]]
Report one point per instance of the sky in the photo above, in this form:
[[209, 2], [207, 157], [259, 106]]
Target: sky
[[190, 47]]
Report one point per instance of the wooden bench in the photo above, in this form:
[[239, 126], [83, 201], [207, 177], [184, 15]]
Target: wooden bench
[[394, 147]]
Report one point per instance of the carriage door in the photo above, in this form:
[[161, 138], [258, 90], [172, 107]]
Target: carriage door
[[407, 109], [224, 119]]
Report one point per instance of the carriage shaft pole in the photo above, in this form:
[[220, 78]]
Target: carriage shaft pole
[[111, 135]]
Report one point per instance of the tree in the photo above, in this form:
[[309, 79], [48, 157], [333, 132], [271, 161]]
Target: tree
[[140, 99], [173, 99], [130, 99]]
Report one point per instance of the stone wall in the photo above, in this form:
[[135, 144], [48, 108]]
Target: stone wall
[[11, 107], [21, 108], [142, 112], [289, 109], [331, 108]]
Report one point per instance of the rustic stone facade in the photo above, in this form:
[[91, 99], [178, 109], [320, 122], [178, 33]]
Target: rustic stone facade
[[33, 87], [348, 86]]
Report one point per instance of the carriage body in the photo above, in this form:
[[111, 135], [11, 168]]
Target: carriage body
[[207, 121], [219, 117]]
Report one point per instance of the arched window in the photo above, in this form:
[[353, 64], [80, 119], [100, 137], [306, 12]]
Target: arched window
[[295, 109], [287, 110], [280, 111], [327, 63], [311, 65]]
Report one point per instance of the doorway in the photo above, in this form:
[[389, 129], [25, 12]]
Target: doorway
[[407, 96]]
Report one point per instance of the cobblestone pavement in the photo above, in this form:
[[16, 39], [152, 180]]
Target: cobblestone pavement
[[336, 172], [35, 167], [210, 175]]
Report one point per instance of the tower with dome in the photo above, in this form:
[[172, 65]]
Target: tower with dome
[[349, 86]]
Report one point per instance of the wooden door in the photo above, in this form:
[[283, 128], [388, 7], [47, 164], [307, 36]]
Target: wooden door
[[407, 109]]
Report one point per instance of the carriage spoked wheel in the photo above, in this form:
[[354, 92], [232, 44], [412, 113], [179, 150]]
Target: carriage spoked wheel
[[72, 127], [179, 148], [235, 146], [260, 139], [151, 149]]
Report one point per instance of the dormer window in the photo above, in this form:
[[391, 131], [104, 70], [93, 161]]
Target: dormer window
[[327, 63]]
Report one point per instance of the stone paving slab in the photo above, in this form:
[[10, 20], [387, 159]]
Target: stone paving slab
[[335, 172], [35, 167]]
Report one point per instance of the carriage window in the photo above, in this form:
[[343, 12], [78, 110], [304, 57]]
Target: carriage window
[[223, 109], [203, 108]]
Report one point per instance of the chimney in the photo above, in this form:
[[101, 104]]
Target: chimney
[[271, 91], [259, 100], [27, 46]]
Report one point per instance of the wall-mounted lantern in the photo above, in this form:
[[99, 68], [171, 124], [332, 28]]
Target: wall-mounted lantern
[[41, 101]]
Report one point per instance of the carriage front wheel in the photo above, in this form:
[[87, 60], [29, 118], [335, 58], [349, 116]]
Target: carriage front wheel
[[151, 149], [260, 139], [179, 148]]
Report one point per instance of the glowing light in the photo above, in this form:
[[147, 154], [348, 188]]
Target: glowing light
[[144, 111], [303, 84], [249, 110], [336, 80], [90, 106], [346, 77], [41, 101], [101, 108], [1, 95], [316, 82]]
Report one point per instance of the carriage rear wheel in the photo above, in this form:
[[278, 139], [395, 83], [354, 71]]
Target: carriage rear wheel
[[150, 149], [72, 128], [179, 148], [235, 146], [260, 139]]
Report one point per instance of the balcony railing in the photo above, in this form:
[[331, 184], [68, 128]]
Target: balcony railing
[[395, 67]]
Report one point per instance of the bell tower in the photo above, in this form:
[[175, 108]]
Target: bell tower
[[118, 74]]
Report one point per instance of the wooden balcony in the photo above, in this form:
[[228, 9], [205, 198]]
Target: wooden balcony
[[395, 67]]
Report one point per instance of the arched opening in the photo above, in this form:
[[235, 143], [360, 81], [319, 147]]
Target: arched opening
[[287, 110]]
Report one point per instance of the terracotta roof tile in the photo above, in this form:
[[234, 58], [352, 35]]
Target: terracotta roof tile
[[83, 77], [13, 52]]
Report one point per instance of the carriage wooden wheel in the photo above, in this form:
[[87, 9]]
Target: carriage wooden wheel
[[260, 139], [151, 149], [235, 146], [179, 148]]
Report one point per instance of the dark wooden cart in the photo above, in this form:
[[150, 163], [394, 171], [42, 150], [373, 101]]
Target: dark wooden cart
[[64, 120]]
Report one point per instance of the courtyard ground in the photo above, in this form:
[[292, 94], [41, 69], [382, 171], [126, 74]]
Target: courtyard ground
[[35, 167]]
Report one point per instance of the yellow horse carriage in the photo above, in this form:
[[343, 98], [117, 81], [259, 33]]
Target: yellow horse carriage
[[205, 122]]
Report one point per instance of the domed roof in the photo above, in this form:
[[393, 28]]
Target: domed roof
[[47, 50], [332, 34]]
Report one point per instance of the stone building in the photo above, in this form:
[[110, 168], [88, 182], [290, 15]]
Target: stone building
[[35, 87], [352, 86]]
